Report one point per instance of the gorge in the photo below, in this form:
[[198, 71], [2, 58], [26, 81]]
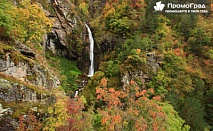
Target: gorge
[[105, 65]]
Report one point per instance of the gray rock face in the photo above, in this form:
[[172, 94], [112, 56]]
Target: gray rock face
[[10, 92], [7, 66], [135, 76], [8, 124], [41, 76], [153, 62], [63, 24], [30, 72]]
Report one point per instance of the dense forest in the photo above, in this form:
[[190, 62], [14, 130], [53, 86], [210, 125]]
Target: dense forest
[[153, 71]]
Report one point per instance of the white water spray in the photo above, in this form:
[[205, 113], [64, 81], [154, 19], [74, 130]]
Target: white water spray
[[91, 68]]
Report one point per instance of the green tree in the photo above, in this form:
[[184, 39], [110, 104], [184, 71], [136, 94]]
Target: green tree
[[6, 19], [193, 113], [187, 23]]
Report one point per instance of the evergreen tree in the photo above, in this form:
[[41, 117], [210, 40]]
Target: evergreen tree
[[193, 113]]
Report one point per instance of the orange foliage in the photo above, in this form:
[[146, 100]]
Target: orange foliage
[[98, 90], [141, 125], [157, 98], [151, 90], [138, 51], [152, 113], [29, 122], [104, 120], [98, 97], [103, 82], [111, 90], [155, 126], [179, 52], [113, 115], [132, 82], [116, 119]]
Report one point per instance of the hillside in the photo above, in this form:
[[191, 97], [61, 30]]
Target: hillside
[[145, 71]]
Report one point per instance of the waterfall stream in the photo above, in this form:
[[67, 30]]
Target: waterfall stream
[[91, 68]]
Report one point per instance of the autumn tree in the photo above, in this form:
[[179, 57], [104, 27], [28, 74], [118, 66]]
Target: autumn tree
[[26, 22], [29, 122], [58, 115], [146, 114], [78, 120]]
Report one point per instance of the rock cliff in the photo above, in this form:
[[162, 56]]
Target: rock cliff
[[24, 84]]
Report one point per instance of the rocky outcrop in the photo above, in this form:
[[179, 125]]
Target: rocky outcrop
[[7, 123], [14, 64], [24, 84], [153, 61], [64, 24], [4, 111], [140, 77], [13, 91], [17, 94]]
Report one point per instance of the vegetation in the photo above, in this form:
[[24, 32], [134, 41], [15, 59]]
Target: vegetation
[[68, 71], [26, 22], [157, 74]]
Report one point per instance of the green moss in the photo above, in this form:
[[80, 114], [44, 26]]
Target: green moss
[[31, 78], [15, 55], [4, 48], [20, 108]]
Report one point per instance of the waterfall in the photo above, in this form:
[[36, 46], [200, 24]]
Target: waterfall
[[91, 68]]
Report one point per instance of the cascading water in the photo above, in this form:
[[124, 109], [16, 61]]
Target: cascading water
[[91, 68]]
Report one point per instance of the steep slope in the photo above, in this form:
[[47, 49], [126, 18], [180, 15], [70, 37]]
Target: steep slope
[[152, 71]]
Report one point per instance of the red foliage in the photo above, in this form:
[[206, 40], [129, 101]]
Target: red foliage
[[29, 122]]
